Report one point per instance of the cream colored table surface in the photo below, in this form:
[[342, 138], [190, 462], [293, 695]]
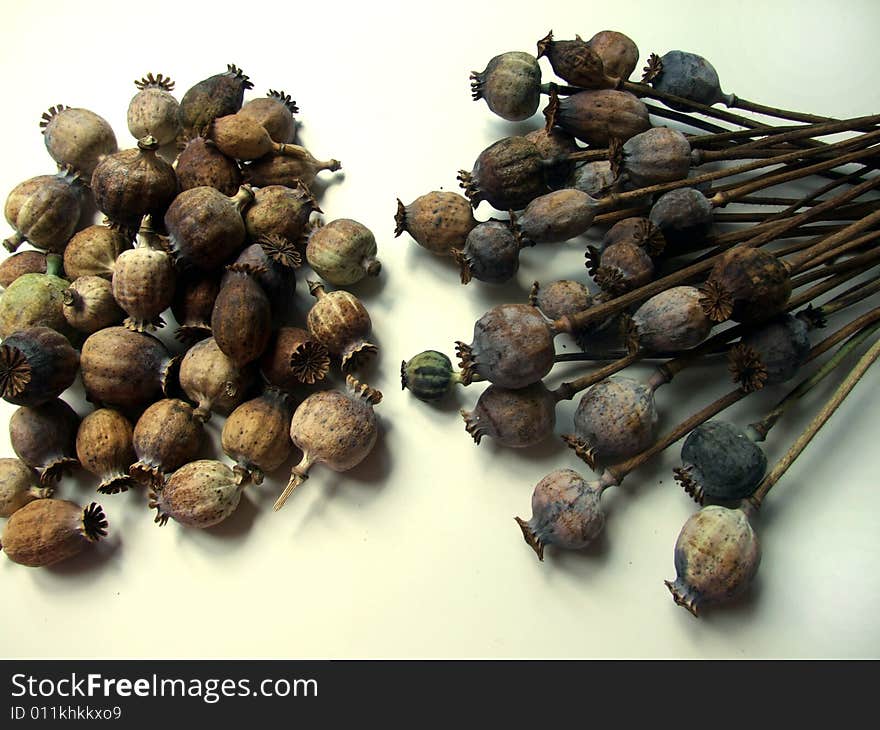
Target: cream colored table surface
[[415, 553]]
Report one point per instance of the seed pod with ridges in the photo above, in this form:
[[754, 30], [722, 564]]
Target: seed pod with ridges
[[576, 62], [124, 368], [490, 254], [47, 531], [670, 321], [514, 418], [294, 358], [211, 380], [256, 436], [429, 375], [340, 322], [201, 164], [104, 448], [154, 110], [551, 144], [275, 113], [93, 251], [36, 366], [717, 555], [343, 252], [508, 174], [193, 302], [746, 285], [89, 305], [200, 494], [241, 322], [24, 262], [333, 428], [684, 216], [281, 212], [77, 138], [166, 436], [205, 227], [18, 486], [690, 76], [593, 178], [657, 155], [565, 513], [558, 216], [597, 117], [770, 354], [619, 54], [44, 211], [36, 300], [510, 84], [439, 221], [44, 438], [560, 298], [213, 97], [242, 137], [637, 230], [622, 267], [297, 164], [274, 261]]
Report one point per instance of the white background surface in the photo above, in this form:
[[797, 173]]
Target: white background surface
[[416, 553]]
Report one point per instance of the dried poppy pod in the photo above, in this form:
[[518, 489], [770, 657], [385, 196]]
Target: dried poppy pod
[[241, 322], [670, 321], [657, 155], [18, 486], [124, 368], [558, 216], [296, 164], [36, 300], [275, 261], [104, 448], [274, 112], [77, 138], [153, 110], [193, 302], [89, 305], [594, 178], [576, 62], [770, 354], [294, 358], [44, 438], [491, 253], [717, 555], [213, 97], [439, 221], [44, 211], [343, 252], [242, 137], [621, 267], [428, 375], [684, 216], [619, 53], [637, 230], [166, 436], [553, 143], [200, 494], [93, 251], [333, 428], [24, 262], [130, 184], [342, 324], [201, 164], [211, 380], [746, 285], [256, 436], [598, 116], [36, 366], [144, 280], [281, 212], [560, 298], [514, 418], [205, 227], [47, 531], [508, 174], [687, 75], [510, 85]]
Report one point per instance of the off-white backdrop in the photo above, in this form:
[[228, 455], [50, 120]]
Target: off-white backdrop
[[416, 553]]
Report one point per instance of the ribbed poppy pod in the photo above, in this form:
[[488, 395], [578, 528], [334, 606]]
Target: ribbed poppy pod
[[593, 178], [558, 216], [130, 184], [201, 164], [619, 53], [576, 62], [657, 155], [565, 512], [439, 221], [44, 211], [193, 302], [77, 138], [621, 267], [598, 116], [44, 438], [36, 300], [124, 368], [771, 353], [242, 137], [491, 253], [637, 230], [514, 418], [560, 298], [18, 486], [241, 322], [508, 174], [342, 252], [212, 380], [554, 143], [670, 321], [36, 366], [746, 285], [340, 322], [510, 84], [153, 110], [275, 113], [429, 375], [256, 436], [717, 555], [275, 261], [93, 251], [104, 448], [297, 164], [213, 97], [200, 494], [205, 227], [333, 428], [89, 305], [48, 531], [166, 436], [281, 212], [687, 75], [24, 262], [294, 358], [684, 216]]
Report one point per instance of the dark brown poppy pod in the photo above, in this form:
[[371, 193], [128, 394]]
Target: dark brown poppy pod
[[439, 221], [657, 155], [593, 178], [558, 216], [334, 428], [684, 216], [619, 54], [242, 137], [36, 300], [47, 531], [274, 112], [717, 555], [211, 380], [93, 251], [281, 212], [205, 227], [89, 305], [576, 62], [104, 448], [746, 285], [553, 143], [36, 366], [241, 321], [18, 486], [294, 358], [77, 138], [193, 302], [200, 164], [166, 436], [24, 262], [773, 353], [491, 253], [256, 436], [343, 252], [340, 322], [296, 164], [622, 267], [598, 116], [637, 230], [154, 110], [670, 321], [200, 494], [514, 418], [124, 368], [44, 211], [130, 184], [275, 260], [213, 97], [44, 438], [508, 174], [510, 85], [560, 298]]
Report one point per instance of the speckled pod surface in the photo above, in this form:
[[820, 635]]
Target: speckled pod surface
[[43, 211], [25, 262], [78, 138], [104, 448], [200, 494], [340, 322], [89, 305], [35, 300], [557, 216], [576, 62], [93, 252], [746, 285], [508, 174], [166, 436], [297, 165], [275, 113], [514, 418], [619, 53], [212, 380], [44, 438], [671, 321], [560, 298], [241, 321], [153, 110], [282, 211], [213, 97], [656, 155], [510, 85], [294, 358], [18, 486], [439, 221], [490, 254], [256, 436], [201, 164], [143, 285], [342, 252], [597, 117]]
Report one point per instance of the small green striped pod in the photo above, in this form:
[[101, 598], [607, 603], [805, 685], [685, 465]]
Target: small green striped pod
[[429, 375]]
